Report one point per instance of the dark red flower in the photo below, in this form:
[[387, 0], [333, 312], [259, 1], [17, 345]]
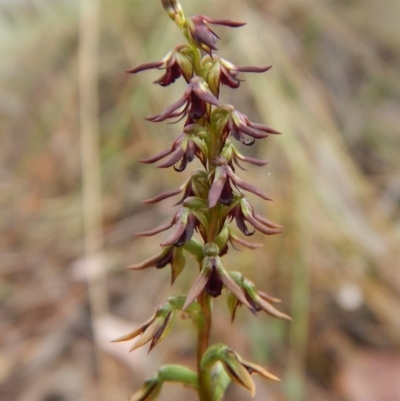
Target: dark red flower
[[240, 127], [184, 223], [213, 277], [224, 72], [194, 102], [170, 255], [184, 149], [176, 63], [243, 211], [197, 186], [259, 301], [234, 123], [221, 189], [232, 156], [202, 35]]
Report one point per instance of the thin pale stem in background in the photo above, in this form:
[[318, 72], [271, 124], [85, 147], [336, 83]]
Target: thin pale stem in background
[[91, 175], [298, 333]]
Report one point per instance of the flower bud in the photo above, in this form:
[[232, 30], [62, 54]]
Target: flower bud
[[174, 10], [213, 277]]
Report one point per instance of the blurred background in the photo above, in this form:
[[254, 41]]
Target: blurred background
[[72, 130]]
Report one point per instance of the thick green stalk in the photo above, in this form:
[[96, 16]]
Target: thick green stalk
[[204, 329], [205, 389], [214, 148]]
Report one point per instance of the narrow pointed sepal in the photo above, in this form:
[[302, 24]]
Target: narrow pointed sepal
[[154, 329], [198, 286], [230, 284], [162, 196], [257, 299]]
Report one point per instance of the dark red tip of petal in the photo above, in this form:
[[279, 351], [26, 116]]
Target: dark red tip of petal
[[162, 196]]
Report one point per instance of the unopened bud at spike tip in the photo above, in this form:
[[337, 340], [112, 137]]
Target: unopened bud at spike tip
[[173, 9]]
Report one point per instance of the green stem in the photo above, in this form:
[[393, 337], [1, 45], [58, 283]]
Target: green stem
[[197, 61], [205, 385], [205, 388], [214, 150]]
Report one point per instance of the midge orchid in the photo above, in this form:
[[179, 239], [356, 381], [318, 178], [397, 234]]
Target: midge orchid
[[210, 199]]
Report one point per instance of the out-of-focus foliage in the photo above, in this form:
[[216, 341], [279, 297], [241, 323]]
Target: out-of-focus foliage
[[334, 175]]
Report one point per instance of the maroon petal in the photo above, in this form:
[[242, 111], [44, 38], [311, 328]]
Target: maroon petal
[[156, 230], [240, 222], [235, 132], [226, 22], [173, 159], [206, 96], [169, 112], [170, 76], [175, 235], [205, 36], [217, 186], [252, 160], [228, 79], [232, 286], [268, 298], [253, 132], [202, 34], [188, 192], [261, 227], [266, 222], [158, 156], [246, 186], [159, 261], [226, 197], [252, 69], [197, 287], [265, 128], [241, 241], [162, 196], [268, 308], [146, 66]]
